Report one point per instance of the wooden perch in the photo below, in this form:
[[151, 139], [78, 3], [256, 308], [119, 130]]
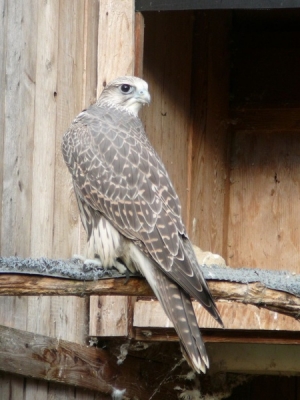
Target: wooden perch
[[59, 361], [274, 290], [254, 293]]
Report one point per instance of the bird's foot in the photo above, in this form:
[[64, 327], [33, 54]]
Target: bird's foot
[[92, 264], [120, 267], [89, 264]]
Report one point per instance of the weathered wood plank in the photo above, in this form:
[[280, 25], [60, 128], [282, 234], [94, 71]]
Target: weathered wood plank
[[41, 37], [43, 153], [55, 360], [243, 315], [75, 87], [167, 69], [264, 201], [3, 48], [116, 57], [109, 316], [18, 96], [139, 44], [172, 5], [209, 139], [18, 73], [59, 361], [116, 41], [22, 285], [210, 335], [150, 314]]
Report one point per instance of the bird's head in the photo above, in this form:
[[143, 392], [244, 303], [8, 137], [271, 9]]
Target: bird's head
[[128, 92]]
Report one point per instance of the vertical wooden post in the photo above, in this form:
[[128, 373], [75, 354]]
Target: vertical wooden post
[[116, 49], [48, 72], [209, 175]]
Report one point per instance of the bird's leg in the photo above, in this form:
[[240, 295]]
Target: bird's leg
[[121, 267], [88, 263]]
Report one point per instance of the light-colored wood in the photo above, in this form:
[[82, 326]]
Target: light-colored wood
[[108, 316], [48, 49], [74, 91], [116, 57], [18, 94], [18, 99], [236, 303], [3, 48], [149, 314], [56, 360], [167, 69], [264, 201], [210, 131], [115, 41], [43, 173]]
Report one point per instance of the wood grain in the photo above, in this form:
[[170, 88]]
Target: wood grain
[[43, 66], [264, 201], [116, 57], [109, 316], [18, 99], [115, 51], [139, 44], [167, 69], [56, 360], [236, 303], [209, 138], [264, 168], [234, 315]]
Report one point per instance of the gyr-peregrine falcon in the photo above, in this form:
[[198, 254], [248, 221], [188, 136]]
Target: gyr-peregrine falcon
[[130, 210]]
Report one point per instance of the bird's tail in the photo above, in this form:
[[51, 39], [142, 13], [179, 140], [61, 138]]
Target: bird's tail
[[178, 307]]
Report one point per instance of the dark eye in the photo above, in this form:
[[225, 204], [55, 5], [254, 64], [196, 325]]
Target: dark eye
[[126, 88]]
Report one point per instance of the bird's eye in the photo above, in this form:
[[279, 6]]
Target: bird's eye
[[126, 88]]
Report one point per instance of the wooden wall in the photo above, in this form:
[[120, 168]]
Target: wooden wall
[[186, 61], [225, 120], [225, 88], [264, 218], [52, 56]]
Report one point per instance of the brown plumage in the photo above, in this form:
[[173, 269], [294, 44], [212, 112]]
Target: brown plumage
[[130, 209]]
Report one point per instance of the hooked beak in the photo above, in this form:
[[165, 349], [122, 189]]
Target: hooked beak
[[144, 97]]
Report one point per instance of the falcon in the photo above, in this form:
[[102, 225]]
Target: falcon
[[130, 210]]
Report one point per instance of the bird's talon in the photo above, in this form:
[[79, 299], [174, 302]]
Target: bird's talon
[[92, 265]]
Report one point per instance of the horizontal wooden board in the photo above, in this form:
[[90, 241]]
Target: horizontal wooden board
[[170, 5], [149, 314], [266, 119], [264, 205], [254, 358], [220, 336]]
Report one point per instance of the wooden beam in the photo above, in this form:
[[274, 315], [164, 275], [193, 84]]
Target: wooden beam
[[173, 5], [254, 358], [139, 44], [251, 294], [42, 357], [28, 285], [221, 336]]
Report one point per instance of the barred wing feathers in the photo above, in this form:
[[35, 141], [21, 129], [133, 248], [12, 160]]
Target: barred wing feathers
[[117, 173]]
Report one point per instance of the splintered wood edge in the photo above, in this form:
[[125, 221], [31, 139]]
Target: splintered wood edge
[[253, 293]]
